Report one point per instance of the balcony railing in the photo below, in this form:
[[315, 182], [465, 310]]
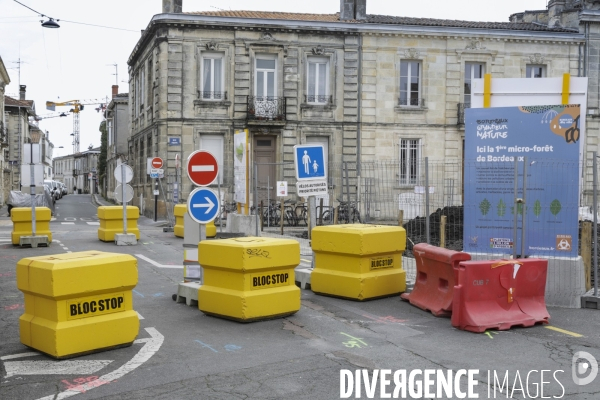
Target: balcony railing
[[315, 99], [461, 112], [218, 96], [266, 108], [3, 135], [412, 102], [76, 172]]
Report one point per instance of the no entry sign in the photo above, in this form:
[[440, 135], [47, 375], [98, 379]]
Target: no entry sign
[[202, 168], [157, 162]]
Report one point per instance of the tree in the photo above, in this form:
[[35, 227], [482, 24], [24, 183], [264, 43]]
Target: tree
[[501, 208], [485, 206], [555, 207], [537, 208], [102, 159]]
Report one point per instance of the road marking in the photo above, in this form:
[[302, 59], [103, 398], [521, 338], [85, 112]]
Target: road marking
[[157, 265], [5, 240], [13, 356], [553, 328], [151, 346], [203, 168], [81, 367], [139, 315], [67, 223], [302, 259], [70, 219], [93, 223], [52, 219]]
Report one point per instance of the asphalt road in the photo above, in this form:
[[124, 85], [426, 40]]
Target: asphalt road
[[183, 354]]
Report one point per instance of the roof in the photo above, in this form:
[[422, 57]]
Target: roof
[[9, 101], [385, 19]]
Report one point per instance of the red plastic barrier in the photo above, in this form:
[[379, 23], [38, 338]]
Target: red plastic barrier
[[436, 278], [500, 294]]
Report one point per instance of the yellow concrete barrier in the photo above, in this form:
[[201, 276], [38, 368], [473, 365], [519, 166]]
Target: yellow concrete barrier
[[179, 211], [77, 303], [21, 218], [250, 278], [358, 262], [111, 222]]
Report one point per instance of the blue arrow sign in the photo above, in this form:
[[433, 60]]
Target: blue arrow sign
[[310, 162], [203, 205]]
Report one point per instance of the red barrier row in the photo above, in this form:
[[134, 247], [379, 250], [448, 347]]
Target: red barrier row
[[436, 278], [500, 294], [479, 295]]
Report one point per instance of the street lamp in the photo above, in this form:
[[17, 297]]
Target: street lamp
[[50, 23]]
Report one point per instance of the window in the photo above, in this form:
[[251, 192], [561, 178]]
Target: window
[[109, 130], [410, 153], [410, 83], [149, 88], [535, 71], [264, 88], [472, 71], [212, 77], [214, 144], [317, 82]]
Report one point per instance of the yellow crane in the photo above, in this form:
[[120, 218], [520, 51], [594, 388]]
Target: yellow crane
[[77, 106]]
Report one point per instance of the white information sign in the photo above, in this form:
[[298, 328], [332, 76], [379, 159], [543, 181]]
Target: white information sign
[[311, 188], [119, 193], [282, 188], [128, 173]]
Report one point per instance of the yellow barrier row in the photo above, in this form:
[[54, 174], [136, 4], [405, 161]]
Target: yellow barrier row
[[111, 222]]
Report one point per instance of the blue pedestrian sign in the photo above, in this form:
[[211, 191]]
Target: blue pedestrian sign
[[203, 205], [310, 162]]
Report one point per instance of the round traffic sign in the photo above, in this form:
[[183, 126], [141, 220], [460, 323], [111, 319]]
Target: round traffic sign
[[157, 162], [119, 193], [119, 174], [203, 205], [202, 167]]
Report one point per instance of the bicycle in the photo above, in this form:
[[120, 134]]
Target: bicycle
[[272, 214], [348, 213]]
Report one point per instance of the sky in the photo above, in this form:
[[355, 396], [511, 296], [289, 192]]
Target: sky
[[77, 61]]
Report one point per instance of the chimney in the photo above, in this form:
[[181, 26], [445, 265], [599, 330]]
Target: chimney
[[171, 6], [353, 10], [22, 92], [115, 90]]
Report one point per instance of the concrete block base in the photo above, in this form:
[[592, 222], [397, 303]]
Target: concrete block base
[[125, 239], [187, 292], [245, 224], [588, 300], [303, 277], [34, 241]]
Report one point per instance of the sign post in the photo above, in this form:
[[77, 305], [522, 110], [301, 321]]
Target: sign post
[[124, 174], [311, 176], [203, 203]]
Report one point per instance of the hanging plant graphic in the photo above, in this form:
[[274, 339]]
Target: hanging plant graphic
[[537, 208], [485, 206], [501, 208], [555, 207], [519, 209]]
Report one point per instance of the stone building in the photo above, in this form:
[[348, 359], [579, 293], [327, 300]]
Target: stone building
[[367, 87], [117, 125], [85, 170], [16, 115], [63, 168], [4, 169]]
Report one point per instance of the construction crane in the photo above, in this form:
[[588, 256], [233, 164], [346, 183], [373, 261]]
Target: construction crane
[[77, 106], [38, 118]]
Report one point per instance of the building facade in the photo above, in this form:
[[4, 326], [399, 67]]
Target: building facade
[[4, 166], [366, 87], [63, 168], [16, 114], [117, 126]]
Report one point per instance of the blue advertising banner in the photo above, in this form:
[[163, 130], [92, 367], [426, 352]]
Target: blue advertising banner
[[548, 139]]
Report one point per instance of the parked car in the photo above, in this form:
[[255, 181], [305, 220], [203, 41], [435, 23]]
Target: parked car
[[63, 188], [17, 198], [51, 185]]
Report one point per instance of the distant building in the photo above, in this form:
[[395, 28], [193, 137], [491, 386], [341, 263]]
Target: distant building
[[63, 168], [118, 133]]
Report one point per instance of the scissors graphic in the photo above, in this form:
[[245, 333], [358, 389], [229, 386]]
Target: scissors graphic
[[572, 134]]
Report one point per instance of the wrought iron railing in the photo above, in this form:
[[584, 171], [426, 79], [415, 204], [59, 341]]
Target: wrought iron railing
[[412, 102], [461, 112], [316, 99], [204, 95], [76, 172], [266, 108]]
